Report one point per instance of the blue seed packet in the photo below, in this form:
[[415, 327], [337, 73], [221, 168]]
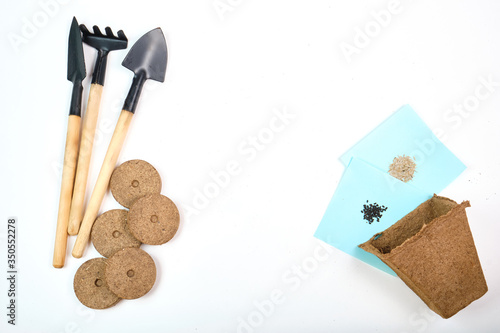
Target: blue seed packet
[[343, 225], [405, 133]]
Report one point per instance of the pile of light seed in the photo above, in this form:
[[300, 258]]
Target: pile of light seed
[[403, 168]]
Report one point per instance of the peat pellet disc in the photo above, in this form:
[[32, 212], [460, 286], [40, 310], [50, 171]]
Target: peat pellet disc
[[153, 219], [91, 287], [130, 273], [110, 233], [132, 180]]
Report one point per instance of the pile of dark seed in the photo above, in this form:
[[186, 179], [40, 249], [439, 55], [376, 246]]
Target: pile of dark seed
[[373, 211]]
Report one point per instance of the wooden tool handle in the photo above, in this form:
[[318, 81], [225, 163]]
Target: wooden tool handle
[[68, 177], [102, 182], [82, 170]]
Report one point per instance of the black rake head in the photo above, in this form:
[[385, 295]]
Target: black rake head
[[104, 42]]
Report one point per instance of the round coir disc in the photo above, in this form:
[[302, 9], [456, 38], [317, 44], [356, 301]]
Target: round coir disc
[[91, 287], [153, 219], [132, 180], [130, 273], [110, 233]]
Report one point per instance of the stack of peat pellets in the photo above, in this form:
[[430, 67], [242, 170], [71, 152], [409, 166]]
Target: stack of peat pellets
[[127, 272]]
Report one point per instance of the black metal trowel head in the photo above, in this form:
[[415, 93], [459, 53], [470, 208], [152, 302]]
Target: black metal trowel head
[[76, 67], [148, 60], [76, 61]]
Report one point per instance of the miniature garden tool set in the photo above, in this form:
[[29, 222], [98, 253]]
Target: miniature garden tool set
[[125, 271], [148, 60]]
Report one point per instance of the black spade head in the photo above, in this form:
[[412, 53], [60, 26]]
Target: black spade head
[[148, 56], [148, 60], [76, 61]]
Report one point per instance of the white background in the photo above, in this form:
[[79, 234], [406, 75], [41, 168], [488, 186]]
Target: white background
[[227, 72]]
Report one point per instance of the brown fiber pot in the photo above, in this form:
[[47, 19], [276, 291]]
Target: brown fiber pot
[[432, 250]]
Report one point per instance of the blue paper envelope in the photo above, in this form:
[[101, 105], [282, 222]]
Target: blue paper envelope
[[343, 225], [405, 133]]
